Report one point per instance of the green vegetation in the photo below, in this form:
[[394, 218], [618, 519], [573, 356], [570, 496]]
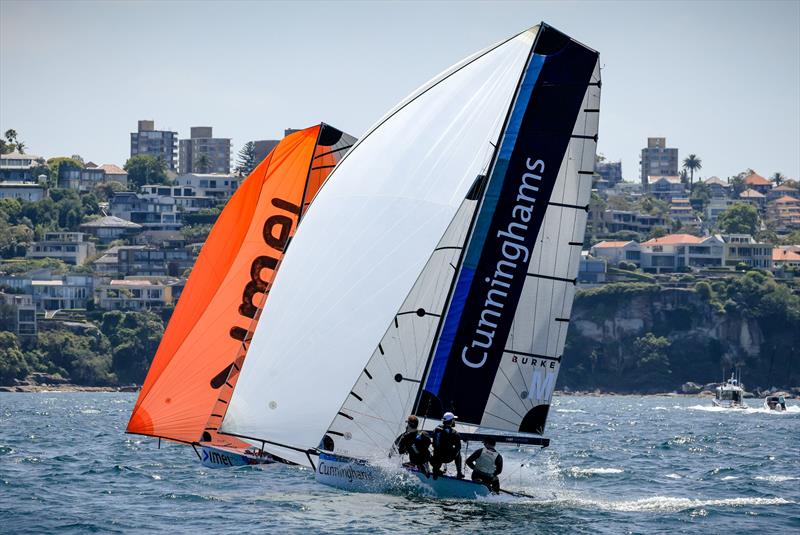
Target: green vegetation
[[143, 169], [651, 339], [691, 164], [740, 218], [246, 159], [116, 348]]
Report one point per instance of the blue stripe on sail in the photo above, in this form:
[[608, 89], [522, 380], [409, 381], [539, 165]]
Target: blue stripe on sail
[[476, 244]]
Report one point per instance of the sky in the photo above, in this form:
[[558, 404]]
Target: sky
[[720, 79]]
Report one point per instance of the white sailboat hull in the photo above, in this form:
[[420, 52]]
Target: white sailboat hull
[[359, 476]]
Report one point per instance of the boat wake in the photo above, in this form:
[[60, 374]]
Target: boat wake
[[793, 409]]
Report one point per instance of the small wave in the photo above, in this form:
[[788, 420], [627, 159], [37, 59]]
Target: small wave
[[777, 479], [729, 478], [571, 410], [674, 476], [90, 411], [588, 472], [666, 504]]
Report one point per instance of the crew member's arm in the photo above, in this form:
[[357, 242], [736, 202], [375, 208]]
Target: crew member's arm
[[498, 465], [472, 458]]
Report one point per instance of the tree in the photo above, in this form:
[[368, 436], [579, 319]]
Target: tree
[[692, 163], [246, 159], [778, 178], [702, 192], [12, 361], [657, 232], [11, 143], [143, 169], [740, 218], [134, 338], [652, 363], [203, 163]]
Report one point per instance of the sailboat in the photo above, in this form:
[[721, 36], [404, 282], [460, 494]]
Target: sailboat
[[194, 371], [452, 234]]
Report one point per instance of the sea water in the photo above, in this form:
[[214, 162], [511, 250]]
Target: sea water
[[617, 464]]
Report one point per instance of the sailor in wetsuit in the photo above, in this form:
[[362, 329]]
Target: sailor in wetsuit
[[446, 446], [416, 444], [486, 465]]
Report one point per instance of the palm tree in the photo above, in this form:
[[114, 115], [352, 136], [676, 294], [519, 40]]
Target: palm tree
[[778, 178], [21, 147], [203, 162], [11, 135], [692, 163]]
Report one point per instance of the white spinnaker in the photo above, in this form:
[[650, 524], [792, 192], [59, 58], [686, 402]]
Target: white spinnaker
[[363, 242], [542, 316], [375, 410]]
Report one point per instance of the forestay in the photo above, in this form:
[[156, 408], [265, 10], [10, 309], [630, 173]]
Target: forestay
[[364, 241]]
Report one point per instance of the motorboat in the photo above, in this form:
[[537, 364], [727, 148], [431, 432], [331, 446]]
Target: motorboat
[[730, 394], [775, 403]]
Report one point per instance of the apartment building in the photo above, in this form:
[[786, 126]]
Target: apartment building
[[215, 185], [717, 187], [658, 160], [136, 293], [667, 188], [615, 252], [71, 247], [16, 167], [203, 153], [785, 212], [158, 143], [617, 220], [23, 311], [110, 228]]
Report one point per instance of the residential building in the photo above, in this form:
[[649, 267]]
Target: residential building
[[152, 211], [610, 171], [216, 185], [615, 252], [203, 153], [680, 209], [666, 187], [676, 252], [617, 220], [785, 212], [110, 228], [166, 239], [24, 312], [71, 247], [16, 167], [158, 143], [136, 293], [658, 160], [88, 177], [758, 183], [783, 258], [69, 291], [717, 187], [26, 191], [743, 249], [138, 260], [184, 198], [755, 198], [263, 147], [715, 207], [591, 270], [781, 191]]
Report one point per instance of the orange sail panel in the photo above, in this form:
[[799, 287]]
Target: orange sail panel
[[224, 292]]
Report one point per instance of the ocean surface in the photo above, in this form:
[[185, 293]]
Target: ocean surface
[[617, 464]]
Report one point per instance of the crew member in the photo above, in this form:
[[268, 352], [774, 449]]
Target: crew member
[[446, 446], [416, 444], [486, 465]]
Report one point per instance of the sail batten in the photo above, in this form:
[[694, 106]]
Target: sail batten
[[375, 223]]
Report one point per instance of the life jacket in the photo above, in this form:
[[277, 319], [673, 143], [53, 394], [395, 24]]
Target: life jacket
[[447, 443], [420, 444], [485, 461]]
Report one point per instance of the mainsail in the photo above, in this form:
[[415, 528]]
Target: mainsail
[[495, 348], [373, 225], [207, 337]]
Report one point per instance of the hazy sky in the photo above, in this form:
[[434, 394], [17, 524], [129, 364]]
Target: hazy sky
[[720, 79]]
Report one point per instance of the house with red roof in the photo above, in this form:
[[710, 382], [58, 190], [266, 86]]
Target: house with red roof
[[615, 252], [758, 183], [785, 258], [784, 212]]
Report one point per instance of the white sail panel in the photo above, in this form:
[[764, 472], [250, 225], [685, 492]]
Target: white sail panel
[[363, 242], [529, 368], [375, 411]]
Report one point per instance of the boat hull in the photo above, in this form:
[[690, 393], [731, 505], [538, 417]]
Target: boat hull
[[224, 457], [359, 476]]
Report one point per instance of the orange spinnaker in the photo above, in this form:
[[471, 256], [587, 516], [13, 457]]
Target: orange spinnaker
[[213, 319]]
